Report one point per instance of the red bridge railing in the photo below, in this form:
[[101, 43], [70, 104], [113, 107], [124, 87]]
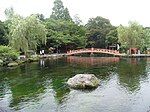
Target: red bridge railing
[[93, 50]]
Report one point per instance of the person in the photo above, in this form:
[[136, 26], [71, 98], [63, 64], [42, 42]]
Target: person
[[139, 52], [42, 63], [118, 47], [42, 52]]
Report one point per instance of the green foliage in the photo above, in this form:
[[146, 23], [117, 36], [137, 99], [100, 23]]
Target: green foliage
[[26, 33], [7, 53], [97, 29], [60, 32], [146, 43], [60, 12], [3, 34], [77, 20], [9, 12], [112, 37], [66, 34], [40, 16], [131, 36]]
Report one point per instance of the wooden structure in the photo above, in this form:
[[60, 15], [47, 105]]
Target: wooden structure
[[133, 50], [93, 50], [148, 50]]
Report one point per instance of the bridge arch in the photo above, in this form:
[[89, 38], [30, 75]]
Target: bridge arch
[[93, 50]]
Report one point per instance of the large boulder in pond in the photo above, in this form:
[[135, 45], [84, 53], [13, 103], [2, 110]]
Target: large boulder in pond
[[83, 81]]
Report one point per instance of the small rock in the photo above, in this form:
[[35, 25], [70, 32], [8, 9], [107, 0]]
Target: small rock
[[1, 62], [12, 64], [33, 59], [83, 81]]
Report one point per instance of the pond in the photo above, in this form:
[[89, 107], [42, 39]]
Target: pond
[[40, 86]]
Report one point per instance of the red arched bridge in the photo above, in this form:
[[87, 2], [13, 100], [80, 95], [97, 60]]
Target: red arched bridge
[[93, 50]]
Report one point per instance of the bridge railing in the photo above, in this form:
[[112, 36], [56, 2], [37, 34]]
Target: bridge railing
[[93, 50]]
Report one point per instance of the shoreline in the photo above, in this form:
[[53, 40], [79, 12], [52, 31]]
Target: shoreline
[[35, 58], [133, 55]]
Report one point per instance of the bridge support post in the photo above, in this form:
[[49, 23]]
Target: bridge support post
[[92, 54]]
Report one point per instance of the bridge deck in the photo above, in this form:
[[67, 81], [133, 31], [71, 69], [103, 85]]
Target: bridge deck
[[93, 50]]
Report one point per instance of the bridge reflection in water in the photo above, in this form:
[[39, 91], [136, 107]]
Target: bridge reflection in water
[[88, 61]]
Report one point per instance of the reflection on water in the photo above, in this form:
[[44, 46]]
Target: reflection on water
[[38, 87], [42, 62], [131, 73], [90, 61]]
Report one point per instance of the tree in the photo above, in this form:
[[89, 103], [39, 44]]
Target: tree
[[3, 34], [26, 33], [66, 15], [60, 12], [146, 43], [112, 37], [9, 12], [77, 20], [131, 36], [40, 16], [65, 34], [97, 29]]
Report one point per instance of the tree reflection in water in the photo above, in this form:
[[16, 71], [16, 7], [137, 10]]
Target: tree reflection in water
[[130, 71], [36, 81]]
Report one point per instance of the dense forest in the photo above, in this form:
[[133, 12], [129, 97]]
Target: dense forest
[[60, 32]]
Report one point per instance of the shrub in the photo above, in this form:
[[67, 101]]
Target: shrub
[[7, 53]]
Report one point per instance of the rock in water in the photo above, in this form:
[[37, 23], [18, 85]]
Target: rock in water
[[12, 64], [83, 81], [1, 62]]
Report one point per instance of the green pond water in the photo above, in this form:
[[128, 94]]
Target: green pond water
[[40, 87]]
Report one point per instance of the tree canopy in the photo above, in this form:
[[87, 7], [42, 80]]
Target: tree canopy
[[61, 32], [26, 33], [131, 36], [3, 34], [60, 12], [146, 41], [112, 37], [65, 34], [97, 29]]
